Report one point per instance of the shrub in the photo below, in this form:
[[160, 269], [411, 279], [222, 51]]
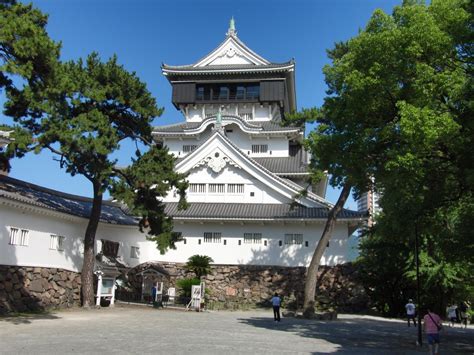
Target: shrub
[[199, 264], [185, 286]]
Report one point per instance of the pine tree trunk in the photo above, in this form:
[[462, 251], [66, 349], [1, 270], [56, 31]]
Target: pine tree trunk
[[312, 273], [87, 275]]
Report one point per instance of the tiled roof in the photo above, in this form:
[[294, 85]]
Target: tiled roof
[[252, 211], [263, 126], [21, 191], [228, 68], [283, 165]]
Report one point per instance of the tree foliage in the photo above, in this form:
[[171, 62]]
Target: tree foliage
[[398, 113], [27, 56]]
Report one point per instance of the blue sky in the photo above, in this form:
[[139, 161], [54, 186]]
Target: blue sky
[[146, 33]]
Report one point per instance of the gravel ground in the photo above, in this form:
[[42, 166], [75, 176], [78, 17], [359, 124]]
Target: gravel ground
[[128, 329]]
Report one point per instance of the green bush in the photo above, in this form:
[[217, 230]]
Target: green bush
[[185, 285]]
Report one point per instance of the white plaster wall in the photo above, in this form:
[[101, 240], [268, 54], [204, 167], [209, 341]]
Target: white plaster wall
[[277, 146], [229, 175], [41, 226], [175, 146], [255, 254], [261, 113]]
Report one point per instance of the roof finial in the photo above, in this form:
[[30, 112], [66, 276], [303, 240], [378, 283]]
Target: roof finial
[[232, 31]]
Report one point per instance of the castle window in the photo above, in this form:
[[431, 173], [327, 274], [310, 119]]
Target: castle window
[[252, 238], [197, 188], [259, 148], [188, 148], [291, 239], [203, 92], [56, 242], [19, 236], [216, 188], [235, 188], [223, 93], [253, 92], [240, 92], [199, 93], [210, 237], [110, 248], [134, 252]]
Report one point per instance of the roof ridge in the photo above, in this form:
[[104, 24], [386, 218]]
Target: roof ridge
[[252, 125]]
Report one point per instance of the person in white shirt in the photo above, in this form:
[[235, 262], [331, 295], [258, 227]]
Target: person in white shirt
[[276, 302], [452, 314], [411, 312]]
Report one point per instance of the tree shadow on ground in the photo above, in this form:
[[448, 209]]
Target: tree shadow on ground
[[368, 335], [27, 318]]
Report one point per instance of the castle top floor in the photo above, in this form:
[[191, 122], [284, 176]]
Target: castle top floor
[[234, 77]]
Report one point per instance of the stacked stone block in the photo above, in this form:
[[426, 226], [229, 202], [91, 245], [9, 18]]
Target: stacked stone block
[[35, 289]]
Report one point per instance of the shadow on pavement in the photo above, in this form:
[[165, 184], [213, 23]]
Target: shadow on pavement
[[367, 334], [27, 318]]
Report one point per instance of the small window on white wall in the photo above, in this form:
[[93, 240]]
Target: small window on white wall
[[259, 148], [197, 188], [56, 242], [134, 252], [216, 188], [252, 238], [235, 188], [188, 148], [210, 237], [19, 236], [291, 239]]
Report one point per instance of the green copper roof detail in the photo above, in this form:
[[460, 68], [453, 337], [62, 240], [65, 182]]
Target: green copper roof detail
[[232, 31]]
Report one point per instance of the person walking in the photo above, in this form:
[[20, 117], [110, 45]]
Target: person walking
[[411, 312], [276, 302], [463, 308], [452, 314], [432, 325]]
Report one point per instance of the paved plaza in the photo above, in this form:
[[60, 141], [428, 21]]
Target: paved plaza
[[124, 330]]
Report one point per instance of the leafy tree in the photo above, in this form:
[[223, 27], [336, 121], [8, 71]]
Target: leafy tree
[[26, 50], [92, 107], [27, 55], [387, 264], [199, 264], [397, 113]]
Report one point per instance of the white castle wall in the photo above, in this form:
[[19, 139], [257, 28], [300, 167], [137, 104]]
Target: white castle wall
[[277, 146], [41, 226], [255, 254], [230, 175]]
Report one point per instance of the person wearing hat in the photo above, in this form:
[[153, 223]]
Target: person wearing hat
[[411, 311]]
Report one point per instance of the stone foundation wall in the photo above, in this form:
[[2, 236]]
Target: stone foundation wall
[[228, 286], [247, 286], [33, 289]]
